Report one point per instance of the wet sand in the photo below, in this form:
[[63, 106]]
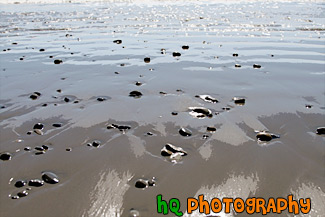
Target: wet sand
[[92, 92]]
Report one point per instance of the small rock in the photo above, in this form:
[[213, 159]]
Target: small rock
[[320, 130], [256, 66], [27, 148], [235, 55], [205, 136], [135, 94], [15, 197], [38, 126], [207, 98], [185, 132], [39, 132], [134, 213], [170, 149], [58, 61], [36, 183], [176, 54], [117, 41], [35, 95], [138, 83], [20, 183], [174, 113], [68, 149], [226, 108], [50, 178], [237, 65], [5, 156], [101, 98], [38, 148], [185, 47], [200, 112], [308, 106], [239, 101], [211, 129], [264, 136], [41, 50], [163, 51], [57, 125], [22, 194], [141, 183], [147, 60]]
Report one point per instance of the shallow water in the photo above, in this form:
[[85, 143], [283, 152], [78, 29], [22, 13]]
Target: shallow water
[[285, 39]]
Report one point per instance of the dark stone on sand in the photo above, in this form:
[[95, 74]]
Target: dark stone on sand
[[5, 156], [237, 65], [174, 113], [39, 148], [27, 148], [14, 43], [205, 136], [138, 83], [21, 58], [117, 41], [152, 182], [185, 132], [20, 183], [66, 99], [141, 183], [57, 125], [207, 98], [176, 54], [135, 94], [122, 64], [211, 129], [41, 50], [147, 60], [96, 143], [134, 213], [50, 178], [201, 112], [170, 149], [44, 105], [264, 137], [226, 108], [58, 61], [38, 126], [162, 93], [36, 183], [35, 95], [51, 57], [117, 73], [29, 133], [68, 149], [320, 130], [256, 66], [40, 152], [235, 55], [272, 55], [22, 194], [185, 47], [150, 134], [308, 106], [101, 98], [163, 51], [59, 90], [45, 147], [15, 197], [239, 100]]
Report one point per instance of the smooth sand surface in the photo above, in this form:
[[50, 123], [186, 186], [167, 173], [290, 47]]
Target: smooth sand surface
[[280, 73]]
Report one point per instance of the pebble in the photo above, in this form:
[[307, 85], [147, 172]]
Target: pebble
[[57, 125], [308, 106], [5, 156], [95, 143], [38, 126], [239, 101], [15, 197], [226, 108], [36, 183], [147, 60], [141, 183], [135, 94], [237, 65], [117, 41], [176, 54], [50, 178], [39, 148], [320, 130], [174, 113], [205, 136], [58, 61], [211, 129], [185, 47], [163, 51], [27, 148], [138, 83], [170, 149], [40, 152], [207, 98], [20, 183], [200, 112], [150, 134], [41, 50], [68, 149], [101, 98], [22, 194], [235, 55], [185, 132], [264, 136], [35, 95], [256, 66]]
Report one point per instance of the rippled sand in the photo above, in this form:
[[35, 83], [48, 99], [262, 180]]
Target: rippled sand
[[269, 53]]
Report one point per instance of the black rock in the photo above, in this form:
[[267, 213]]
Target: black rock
[[135, 94], [117, 41], [41, 50], [50, 178], [57, 61], [38, 148], [20, 183], [66, 99], [141, 183], [101, 98], [57, 125], [185, 132], [320, 130], [22, 194], [138, 83], [36, 183], [5, 156], [235, 55], [211, 129], [176, 54], [256, 66], [174, 113], [237, 65], [185, 47], [239, 101], [147, 60], [38, 126], [27, 148]]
